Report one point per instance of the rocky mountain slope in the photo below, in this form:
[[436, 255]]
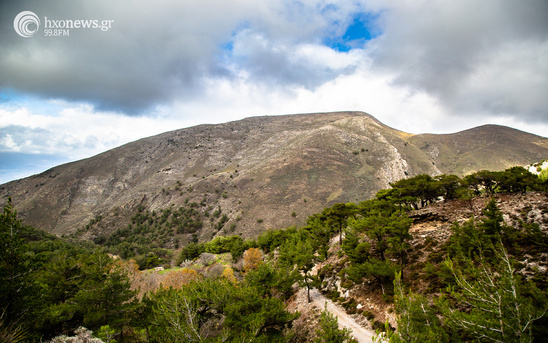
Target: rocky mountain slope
[[259, 173]]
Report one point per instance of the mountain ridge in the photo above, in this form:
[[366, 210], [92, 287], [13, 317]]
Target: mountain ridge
[[261, 172]]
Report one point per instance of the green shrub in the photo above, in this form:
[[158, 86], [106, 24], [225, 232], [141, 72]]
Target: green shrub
[[368, 315], [378, 325]]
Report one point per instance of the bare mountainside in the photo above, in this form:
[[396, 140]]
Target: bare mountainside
[[250, 175]]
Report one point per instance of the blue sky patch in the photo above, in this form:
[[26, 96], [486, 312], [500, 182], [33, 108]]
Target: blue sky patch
[[362, 28], [14, 165], [11, 100]]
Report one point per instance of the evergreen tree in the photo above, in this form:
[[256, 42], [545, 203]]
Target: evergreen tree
[[320, 233], [305, 260], [357, 252], [253, 318], [448, 186], [297, 254], [270, 280], [417, 319], [382, 271], [185, 315], [487, 303], [492, 224], [375, 226], [399, 237], [329, 331], [218, 311], [60, 280], [517, 180], [15, 286], [337, 216], [105, 294], [419, 190], [386, 230], [483, 180]]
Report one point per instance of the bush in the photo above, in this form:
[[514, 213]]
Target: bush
[[333, 295], [83, 335], [350, 306], [149, 260], [190, 252], [378, 325], [368, 315], [206, 259], [329, 331]]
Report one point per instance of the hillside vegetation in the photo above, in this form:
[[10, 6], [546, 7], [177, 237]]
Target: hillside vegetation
[[484, 279]]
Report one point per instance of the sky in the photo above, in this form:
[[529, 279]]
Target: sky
[[81, 77]]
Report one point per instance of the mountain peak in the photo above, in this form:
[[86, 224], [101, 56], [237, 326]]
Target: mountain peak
[[250, 175]]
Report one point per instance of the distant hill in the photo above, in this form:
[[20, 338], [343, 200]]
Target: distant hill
[[250, 175]]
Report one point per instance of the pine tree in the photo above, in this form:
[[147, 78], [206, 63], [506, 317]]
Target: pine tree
[[329, 329], [14, 267], [105, 295], [417, 319], [337, 216], [487, 303], [305, 260]]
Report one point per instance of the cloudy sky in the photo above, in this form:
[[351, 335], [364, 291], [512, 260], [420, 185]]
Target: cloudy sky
[[145, 67]]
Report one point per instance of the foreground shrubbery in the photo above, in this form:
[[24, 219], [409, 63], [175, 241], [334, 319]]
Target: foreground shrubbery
[[51, 286], [485, 298]]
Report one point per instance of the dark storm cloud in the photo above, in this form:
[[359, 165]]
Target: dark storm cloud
[[474, 56], [159, 52], [152, 53]]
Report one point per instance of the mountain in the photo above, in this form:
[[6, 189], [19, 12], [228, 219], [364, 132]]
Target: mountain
[[250, 175]]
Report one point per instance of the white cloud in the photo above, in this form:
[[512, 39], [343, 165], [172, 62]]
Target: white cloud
[[77, 131], [437, 67], [9, 143], [361, 90]]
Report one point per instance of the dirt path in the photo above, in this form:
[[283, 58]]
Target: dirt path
[[360, 333]]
